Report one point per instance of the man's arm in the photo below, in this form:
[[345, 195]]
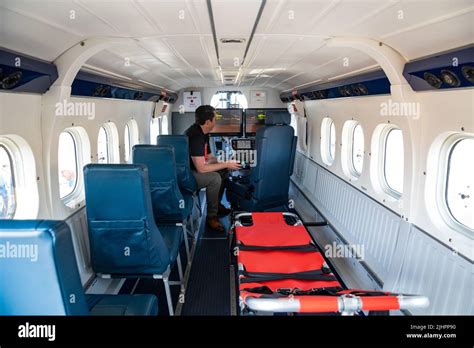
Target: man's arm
[[211, 158], [203, 167]]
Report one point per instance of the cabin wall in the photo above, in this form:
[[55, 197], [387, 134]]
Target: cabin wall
[[20, 114], [272, 96], [405, 249]]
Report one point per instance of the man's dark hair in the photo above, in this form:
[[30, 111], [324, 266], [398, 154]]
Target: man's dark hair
[[204, 113]]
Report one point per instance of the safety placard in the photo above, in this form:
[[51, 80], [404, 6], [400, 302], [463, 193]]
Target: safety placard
[[192, 100]]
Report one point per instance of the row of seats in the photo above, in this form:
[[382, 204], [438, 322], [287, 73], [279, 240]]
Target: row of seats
[[137, 221], [138, 214]]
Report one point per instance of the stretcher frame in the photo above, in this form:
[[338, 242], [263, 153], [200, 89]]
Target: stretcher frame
[[345, 302]]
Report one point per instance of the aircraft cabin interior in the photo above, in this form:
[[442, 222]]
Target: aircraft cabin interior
[[303, 159]]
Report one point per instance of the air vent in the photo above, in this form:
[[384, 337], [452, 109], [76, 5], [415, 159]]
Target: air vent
[[231, 40], [229, 77]]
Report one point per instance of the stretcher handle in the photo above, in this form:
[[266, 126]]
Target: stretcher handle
[[345, 304], [238, 216]]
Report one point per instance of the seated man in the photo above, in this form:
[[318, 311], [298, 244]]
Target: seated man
[[209, 173]]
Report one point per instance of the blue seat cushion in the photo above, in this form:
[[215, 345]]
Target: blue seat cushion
[[119, 305], [173, 236], [177, 215]]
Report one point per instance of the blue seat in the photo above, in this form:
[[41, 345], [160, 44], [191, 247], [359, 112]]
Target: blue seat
[[263, 189], [124, 239], [186, 180], [168, 203], [167, 200], [42, 277]]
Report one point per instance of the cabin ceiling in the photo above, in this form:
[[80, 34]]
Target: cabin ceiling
[[173, 44]]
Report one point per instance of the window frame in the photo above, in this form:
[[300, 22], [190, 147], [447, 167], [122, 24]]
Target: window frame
[[347, 150], [326, 126], [352, 167], [70, 195], [383, 173], [133, 138], [107, 156], [83, 156], [26, 181], [13, 171], [442, 183], [112, 137]]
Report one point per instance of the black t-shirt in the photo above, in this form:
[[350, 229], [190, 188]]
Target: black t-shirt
[[198, 143]]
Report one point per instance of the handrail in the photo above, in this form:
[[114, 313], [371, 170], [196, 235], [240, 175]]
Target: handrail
[[345, 304]]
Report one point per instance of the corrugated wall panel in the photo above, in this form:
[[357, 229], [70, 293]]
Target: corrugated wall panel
[[431, 269], [363, 221], [80, 237]]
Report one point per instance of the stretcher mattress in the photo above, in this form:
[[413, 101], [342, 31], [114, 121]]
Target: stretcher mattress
[[281, 269]]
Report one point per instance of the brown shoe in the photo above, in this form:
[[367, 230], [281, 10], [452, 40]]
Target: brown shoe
[[222, 210], [214, 224]]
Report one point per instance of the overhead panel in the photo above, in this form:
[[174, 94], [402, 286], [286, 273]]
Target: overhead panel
[[340, 19], [178, 17], [124, 17], [451, 33], [294, 17], [403, 15], [67, 15], [233, 19], [26, 35]]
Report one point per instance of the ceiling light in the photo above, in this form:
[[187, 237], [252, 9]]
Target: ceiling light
[[232, 40]]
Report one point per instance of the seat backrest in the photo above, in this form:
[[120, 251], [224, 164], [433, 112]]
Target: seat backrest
[[168, 203], [186, 180], [276, 146], [38, 269], [123, 236]]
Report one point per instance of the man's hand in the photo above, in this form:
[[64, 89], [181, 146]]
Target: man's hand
[[233, 165]]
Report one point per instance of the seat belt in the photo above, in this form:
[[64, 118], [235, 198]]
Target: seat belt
[[284, 292], [301, 248], [317, 274]]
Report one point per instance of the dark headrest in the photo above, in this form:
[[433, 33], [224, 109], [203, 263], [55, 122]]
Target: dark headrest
[[279, 117]]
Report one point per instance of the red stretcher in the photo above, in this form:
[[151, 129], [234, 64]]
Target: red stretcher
[[281, 270]]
